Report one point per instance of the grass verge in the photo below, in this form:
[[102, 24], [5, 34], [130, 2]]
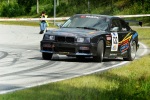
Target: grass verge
[[130, 82], [25, 23]]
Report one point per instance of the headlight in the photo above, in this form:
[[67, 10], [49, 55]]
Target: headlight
[[52, 37], [48, 37], [80, 39], [85, 40]]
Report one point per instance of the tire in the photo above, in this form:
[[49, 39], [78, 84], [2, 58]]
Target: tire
[[100, 52], [131, 53], [47, 56]]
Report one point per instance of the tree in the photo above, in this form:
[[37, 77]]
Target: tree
[[37, 7], [27, 4]]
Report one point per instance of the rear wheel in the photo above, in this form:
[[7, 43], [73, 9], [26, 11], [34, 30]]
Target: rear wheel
[[47, 56], [100, 52], [131, 53]]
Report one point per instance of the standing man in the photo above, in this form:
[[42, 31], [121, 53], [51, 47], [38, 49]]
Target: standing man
[[43, 23]]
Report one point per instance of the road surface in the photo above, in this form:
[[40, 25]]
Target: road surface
[[21, 64]]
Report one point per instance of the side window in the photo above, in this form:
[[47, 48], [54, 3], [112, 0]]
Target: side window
[[116, 23], [124, 26]]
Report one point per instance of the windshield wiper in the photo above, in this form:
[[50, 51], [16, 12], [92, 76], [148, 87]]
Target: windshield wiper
[[91, 28]]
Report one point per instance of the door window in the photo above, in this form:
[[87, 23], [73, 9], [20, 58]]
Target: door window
[[116, 24], [124, 26]]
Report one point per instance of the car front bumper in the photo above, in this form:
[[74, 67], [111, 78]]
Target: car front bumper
[[69, 49]]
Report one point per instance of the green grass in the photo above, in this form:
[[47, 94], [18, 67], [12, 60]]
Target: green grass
[[25, 23], [144, 35], [129, 82]]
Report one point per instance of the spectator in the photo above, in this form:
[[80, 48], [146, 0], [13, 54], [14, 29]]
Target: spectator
[[43, 23]]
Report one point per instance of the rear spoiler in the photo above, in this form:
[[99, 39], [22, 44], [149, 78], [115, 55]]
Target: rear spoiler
[[132, 21]]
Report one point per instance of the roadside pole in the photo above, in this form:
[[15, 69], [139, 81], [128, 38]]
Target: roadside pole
[[37, 7], [54, 11], [88, 6]]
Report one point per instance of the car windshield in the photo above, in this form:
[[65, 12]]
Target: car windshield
[[87, 22]]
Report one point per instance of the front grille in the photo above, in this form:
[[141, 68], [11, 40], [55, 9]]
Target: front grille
[[60, 39], [65, 39], [70, 39], [64, 49]]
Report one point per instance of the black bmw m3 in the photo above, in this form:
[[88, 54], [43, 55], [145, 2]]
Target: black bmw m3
[[90, 35]]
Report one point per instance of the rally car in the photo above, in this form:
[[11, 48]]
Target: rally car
[[91, 35]]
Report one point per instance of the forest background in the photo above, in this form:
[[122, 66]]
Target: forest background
[[15, 8]]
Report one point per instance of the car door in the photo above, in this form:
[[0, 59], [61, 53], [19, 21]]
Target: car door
[[121, 35]]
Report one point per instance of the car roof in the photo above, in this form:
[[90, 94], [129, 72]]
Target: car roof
[[98, 15]]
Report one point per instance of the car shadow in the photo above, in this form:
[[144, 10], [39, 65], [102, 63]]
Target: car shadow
[[83, 60], [114, 59], [74, 59]]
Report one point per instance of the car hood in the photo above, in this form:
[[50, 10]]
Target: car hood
[[74, 32]]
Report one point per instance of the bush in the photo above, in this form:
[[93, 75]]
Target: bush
[[47, 8], [11, 10]]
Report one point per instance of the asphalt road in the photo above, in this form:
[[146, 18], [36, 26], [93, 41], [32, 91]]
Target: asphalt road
[[21, 64]]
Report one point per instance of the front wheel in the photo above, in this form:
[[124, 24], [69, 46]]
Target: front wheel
[[100, 51], [47, 56], [131, 53]]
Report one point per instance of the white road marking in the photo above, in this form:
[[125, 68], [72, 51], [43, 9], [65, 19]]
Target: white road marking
[[145, 50]]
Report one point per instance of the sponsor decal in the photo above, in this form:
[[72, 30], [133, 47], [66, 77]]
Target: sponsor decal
[[124, 47], [125, 43], [134, 35], [108, 43], [124, 52], [84, 48], [92, 17], [64, 53], [114, 46], [82, 16], [92, 32], [126, 39]]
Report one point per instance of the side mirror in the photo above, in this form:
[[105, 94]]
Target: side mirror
[[59, 25], [114, 29]]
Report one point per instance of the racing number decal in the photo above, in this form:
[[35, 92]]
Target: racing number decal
[[114, 46]]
